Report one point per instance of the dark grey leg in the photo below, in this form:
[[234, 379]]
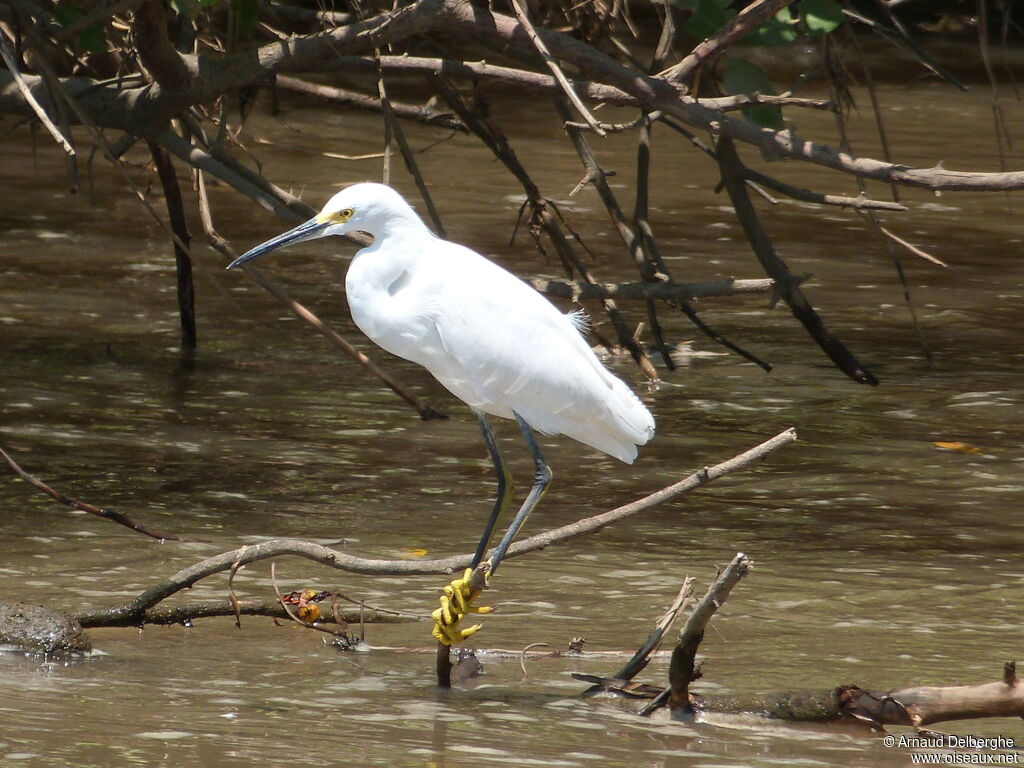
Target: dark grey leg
[[541, 478], [504, 487]]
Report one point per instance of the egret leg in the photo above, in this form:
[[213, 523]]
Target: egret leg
[[504, 488], [541, 478], [457, 597]]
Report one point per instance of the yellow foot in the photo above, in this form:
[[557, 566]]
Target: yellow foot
[[456, 602]]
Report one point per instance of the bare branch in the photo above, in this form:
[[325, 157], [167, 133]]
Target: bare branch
[[188, 612], [733, 176], [656, 93], [577, 290], [423, 113], [140, 109], [334, 559], [742, 23], [682, 668], [911, 247], [556, 70], [117, 517], [12, 64]]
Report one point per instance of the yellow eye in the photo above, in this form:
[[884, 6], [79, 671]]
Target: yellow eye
[[345, 214]]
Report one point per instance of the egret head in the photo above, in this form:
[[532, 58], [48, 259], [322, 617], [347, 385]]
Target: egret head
[[360, 208]]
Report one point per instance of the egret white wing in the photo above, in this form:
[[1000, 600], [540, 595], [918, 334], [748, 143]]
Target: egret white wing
[[507, 348]]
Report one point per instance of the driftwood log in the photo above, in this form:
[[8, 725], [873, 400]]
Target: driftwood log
[[915, 706]]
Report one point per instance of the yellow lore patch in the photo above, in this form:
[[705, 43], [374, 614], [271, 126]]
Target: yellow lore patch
[[335, 217]]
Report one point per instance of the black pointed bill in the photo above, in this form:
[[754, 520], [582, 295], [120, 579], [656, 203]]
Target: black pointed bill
[[311, 229]]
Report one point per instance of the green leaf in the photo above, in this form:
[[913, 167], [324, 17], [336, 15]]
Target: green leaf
[[247, 13], [708, 17], [92, 39], [742, 76], [187, 8], [821, 16], [689, 5], [778, 30], [65, 13]]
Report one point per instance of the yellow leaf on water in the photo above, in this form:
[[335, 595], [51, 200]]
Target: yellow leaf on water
[[414, 552], [957, 446]]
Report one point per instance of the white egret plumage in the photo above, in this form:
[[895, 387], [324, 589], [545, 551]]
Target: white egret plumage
[[488, 337]]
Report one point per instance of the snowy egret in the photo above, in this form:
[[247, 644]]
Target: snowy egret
[[489, 338]]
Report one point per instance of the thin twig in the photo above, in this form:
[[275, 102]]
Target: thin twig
[[898, 34], [653, 267], [279, 293], [291, 614], [117, 517], [911, 248], [639, 660], [232, 598], [556, 70], [1003, 142], [876, 107], [394, 127], [740, 24], [577, 290], [266, 195], [526, 650], [596, 175], [870, 216], [860, 203], [424, 114], [786, 284], [12, 64]]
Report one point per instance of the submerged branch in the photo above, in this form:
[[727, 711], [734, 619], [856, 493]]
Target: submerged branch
[[914, 706]]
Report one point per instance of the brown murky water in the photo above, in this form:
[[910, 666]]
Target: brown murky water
[[881, 559]]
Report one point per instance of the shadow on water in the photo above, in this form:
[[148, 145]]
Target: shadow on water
[[881, 558]]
